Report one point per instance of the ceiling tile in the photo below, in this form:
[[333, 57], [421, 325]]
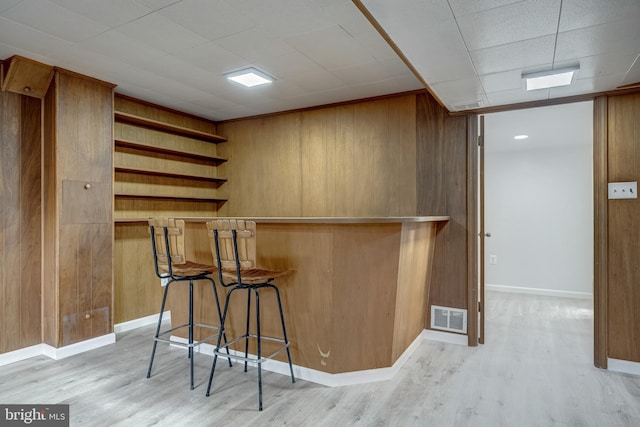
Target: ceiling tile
[[466, 7], [119, 46], [29, 39], [331, 47], [633, 74], [161, 33], [586, 13], [111, 13], [589, 85], [617, 62], [255, 44], [444, 69], [211, 19], [54, 20], [8, 4], [289, 65], [498, 82], [459, 91], [212, 57], [515, 96], [511, 23], [519, 55], [599, 39], [399, 14]]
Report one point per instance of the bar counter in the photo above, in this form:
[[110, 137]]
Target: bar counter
[[358, 296]]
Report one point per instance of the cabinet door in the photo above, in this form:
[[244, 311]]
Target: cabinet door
[[85, 281]]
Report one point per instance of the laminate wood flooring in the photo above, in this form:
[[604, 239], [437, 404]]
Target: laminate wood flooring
[[536, 369]]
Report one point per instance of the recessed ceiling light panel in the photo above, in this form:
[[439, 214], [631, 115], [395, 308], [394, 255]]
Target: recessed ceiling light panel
[[250, 77], [550, 78], [521, 137]]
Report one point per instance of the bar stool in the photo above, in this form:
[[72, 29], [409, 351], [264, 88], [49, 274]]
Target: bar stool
[[233, 244], [168, 242]]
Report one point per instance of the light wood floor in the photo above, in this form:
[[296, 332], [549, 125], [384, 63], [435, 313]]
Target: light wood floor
[[535, 370]]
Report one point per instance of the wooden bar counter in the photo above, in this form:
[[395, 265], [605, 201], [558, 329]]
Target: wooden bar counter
[[359, 294]]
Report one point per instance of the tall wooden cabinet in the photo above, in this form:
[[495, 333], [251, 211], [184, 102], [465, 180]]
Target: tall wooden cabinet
[[77, 206]]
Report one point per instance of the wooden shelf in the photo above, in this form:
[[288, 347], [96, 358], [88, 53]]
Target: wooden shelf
[[142, 171], [167, 127], [168, 197], [162, 150]]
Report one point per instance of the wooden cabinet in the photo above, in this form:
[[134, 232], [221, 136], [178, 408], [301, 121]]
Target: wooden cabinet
[[26, 76], [165, 163], [78, 227]]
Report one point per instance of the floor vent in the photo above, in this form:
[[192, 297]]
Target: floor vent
[[449, 319]]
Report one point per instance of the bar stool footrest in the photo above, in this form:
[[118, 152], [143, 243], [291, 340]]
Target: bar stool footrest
[[187, 345], [219, 351]]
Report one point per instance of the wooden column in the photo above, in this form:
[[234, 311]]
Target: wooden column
[[78, 229]]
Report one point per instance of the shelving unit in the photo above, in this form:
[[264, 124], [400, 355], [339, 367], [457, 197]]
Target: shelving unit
[[165, 163]]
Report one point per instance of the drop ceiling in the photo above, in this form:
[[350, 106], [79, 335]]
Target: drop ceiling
[[175, 52]]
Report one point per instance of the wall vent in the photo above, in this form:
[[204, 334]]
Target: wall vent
[[449, 319]]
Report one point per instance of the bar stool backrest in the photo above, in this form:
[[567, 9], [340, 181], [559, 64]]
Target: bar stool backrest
[[167, 236], [231, 237]]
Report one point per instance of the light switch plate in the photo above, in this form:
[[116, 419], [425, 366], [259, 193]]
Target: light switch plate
[[623, 190]]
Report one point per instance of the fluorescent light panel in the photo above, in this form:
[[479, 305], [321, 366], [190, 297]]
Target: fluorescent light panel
[[550, 78], [250, 77]]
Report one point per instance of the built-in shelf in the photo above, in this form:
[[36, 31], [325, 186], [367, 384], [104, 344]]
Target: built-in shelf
[[168, 197], [167, 127], [142, 171], [163, 150]]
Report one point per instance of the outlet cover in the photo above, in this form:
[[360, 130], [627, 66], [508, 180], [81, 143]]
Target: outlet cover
[[623, 190]]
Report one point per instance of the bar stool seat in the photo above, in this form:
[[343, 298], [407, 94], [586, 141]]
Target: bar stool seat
[[168, 243], [233, 244]]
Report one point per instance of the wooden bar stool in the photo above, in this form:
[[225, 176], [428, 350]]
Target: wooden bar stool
[[168, 242], [233, 244]]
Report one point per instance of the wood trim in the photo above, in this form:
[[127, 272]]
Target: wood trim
[[600, 219], [84, 77], [472, 229], [548, 102], [396, 49]]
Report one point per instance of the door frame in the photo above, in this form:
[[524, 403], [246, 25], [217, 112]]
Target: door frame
[[600, 218]]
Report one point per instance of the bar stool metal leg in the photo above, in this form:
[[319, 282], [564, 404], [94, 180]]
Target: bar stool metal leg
[[284, 332], [155, 338], [258, 337], [246, 334]]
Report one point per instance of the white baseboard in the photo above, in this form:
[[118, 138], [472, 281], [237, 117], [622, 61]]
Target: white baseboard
[[143, 321], [21, 354], [77, 348], [56, 353], [346, 378], [624, 366], [539, 291], [446, 337]]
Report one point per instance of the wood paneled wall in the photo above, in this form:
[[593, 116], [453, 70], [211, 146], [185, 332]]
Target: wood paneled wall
[[349, 160], [623, 240], [20, 217], [442, 190]]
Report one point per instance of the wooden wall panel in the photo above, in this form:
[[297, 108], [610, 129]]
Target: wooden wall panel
[[137, 289], [600, 204], [20, 217], [624, 230], [416, 249], [442, 190], [350, 160]]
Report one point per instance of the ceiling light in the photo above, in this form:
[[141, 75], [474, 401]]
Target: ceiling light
[[250, 77], [550, 78], [521, 137]]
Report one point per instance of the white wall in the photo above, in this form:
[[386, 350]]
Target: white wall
[[539, 210]]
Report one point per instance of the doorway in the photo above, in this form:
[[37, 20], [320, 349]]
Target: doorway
[[538, 201]]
